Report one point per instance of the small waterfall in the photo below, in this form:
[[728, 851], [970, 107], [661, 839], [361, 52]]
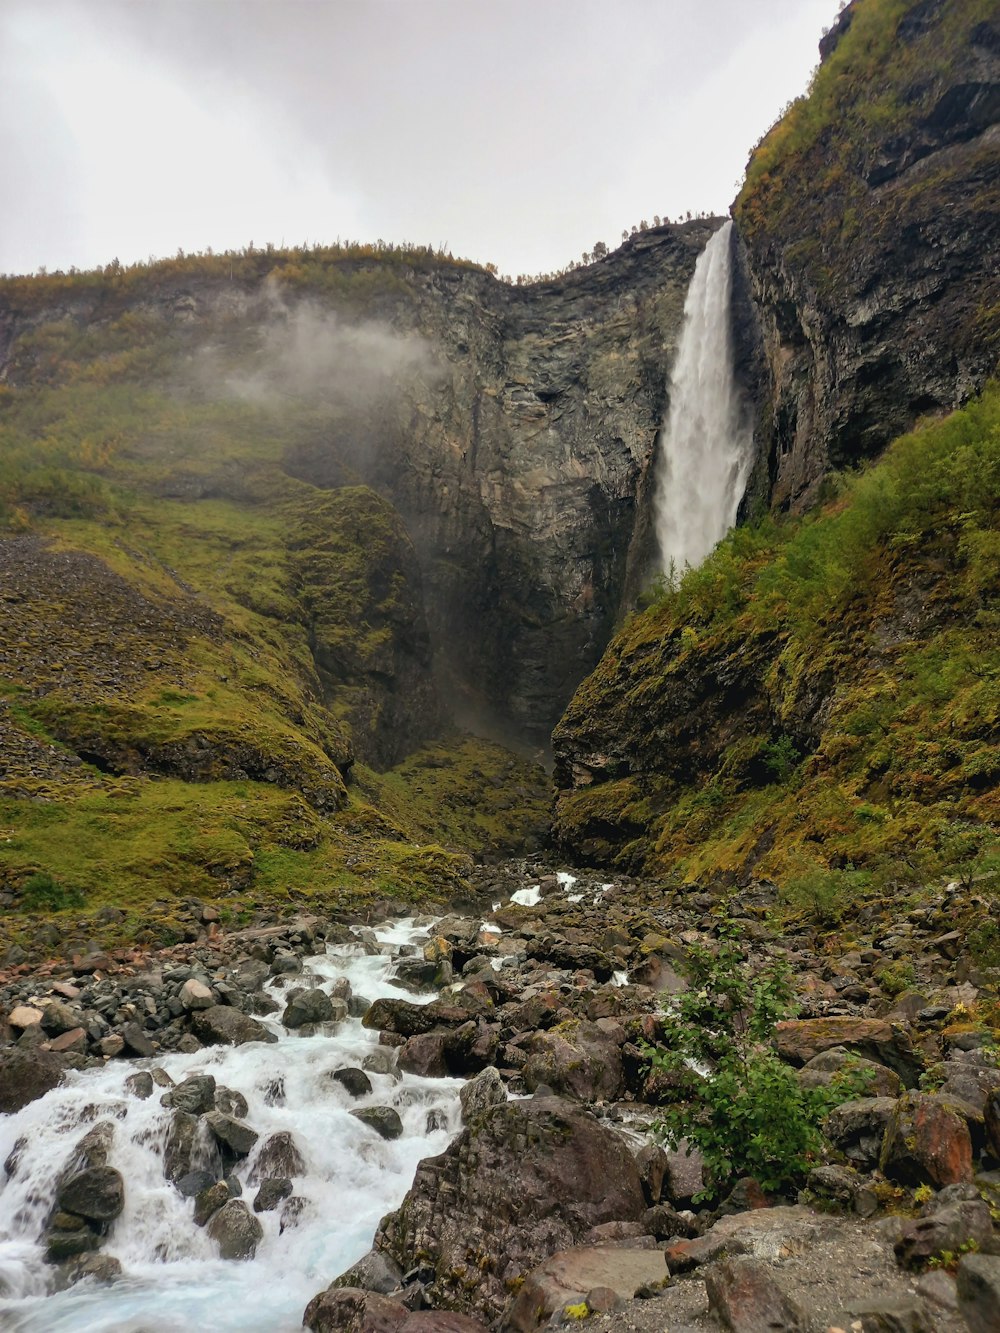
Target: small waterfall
[[707, 443]]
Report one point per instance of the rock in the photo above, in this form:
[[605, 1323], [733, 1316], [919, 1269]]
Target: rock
[[272, 1191], [946, 1229], [112, 1045], [208, 1201], [75, 1040], [102, 1269], [382, 1119], [279, 1156], [59, 1017], [652, 1163], [900, 1314], [222, 1025], [425, 1054], [307, 1006], [580, 1059], [800, 1040], [231, 1103], [235, 1230], [382, 1060], [522, 1180], [664, 1222], [565, 1278], [26, 1075], [140, 1084], [96, 1193], [991, 1121], [375, 1272], [232, 1134], [136, 1041], [195, 994], [858, 1128], [979, 1292], [354, 1081], [179, 1150], [351, 1310], [24, 1016], [842, 1187], [684, 1174], [480, 1093], [876, 1080], [196, 1095], [194, 1183], [926, 1142], [746, 1298], [69, 1237]]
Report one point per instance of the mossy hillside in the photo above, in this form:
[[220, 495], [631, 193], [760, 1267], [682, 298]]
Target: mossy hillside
[[821, 692]]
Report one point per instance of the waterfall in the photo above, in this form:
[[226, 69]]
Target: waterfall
[[707, 440]]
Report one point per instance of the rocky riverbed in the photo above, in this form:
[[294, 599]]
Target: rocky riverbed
[[209, 1135]]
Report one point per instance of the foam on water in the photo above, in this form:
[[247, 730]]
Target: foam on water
[[173, 1277]]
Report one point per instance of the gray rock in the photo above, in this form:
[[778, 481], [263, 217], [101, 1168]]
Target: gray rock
[[140, 1084], [26, 1075], [279, 1156], [209, 1200], [480, 1093], [196, 1095], [382, 1119], [979, 1292], [272, 1191], [96, 1193], [181, 1145], [224, 1026], [195, 994], [354, 1081], [231, 1103], [232, 1134], [744, 1295], [375, 1272], [235, 1230], [307, 1006]]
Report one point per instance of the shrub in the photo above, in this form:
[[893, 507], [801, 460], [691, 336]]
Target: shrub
[[41, 893], [737, 1102]]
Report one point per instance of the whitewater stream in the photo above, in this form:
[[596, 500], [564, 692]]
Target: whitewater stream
[[707, 445], [173, 1278]]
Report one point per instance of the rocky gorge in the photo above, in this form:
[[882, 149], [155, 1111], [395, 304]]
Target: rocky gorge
[[321, 999]]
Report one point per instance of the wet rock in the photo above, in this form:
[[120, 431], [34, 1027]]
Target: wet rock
[[235, 1230], [209, 1200], [102, 1269], [69, 1237], [949, 1228], [425, 1054], [221, 1025], [800, 1040], [26, 1075], [382, 1119], [140, 1084], [522, 1180], [652, 1163], [354, 1081], [195, 994], [96, 1193], [382, 1060], [375, 1272], [351, 1310], [94, 1148], [273, 1190], [746, 1298], [566, 1277], [231, 1103], [196, 1095], [238, 1138], [480, 1093], [979, 1292], [181, 1145], [307, 1006], [194, 1183], [926, 1142], [279, 1156]]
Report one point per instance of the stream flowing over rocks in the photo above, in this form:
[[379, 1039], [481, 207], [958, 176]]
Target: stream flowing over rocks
[[443, 1125]]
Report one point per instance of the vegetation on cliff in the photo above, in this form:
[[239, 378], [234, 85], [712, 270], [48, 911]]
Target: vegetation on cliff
[[822, 695]]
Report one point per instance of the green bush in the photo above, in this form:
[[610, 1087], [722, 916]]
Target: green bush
[[826, 894], [42, 893], [737, 1102]]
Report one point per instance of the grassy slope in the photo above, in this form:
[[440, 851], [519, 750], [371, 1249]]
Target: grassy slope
[[201, 576], [822, 692]]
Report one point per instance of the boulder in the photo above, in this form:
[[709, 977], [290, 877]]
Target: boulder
[[578, 1059], [351, 1310], [951, 1229], [24, 1016], [979, 1292], [565, 1278], [26, 1075], [307, 1006], [96, 1193], [195, 994], [179, 1150], [195, 1094], [136, 1041], [222, 1025], [800, 1040], [746, 1298], [926, 1142], [425, 1054], [235, 1230], [354, 1081], [140, 1084], [374, 1272], [232, 1134], [382, 1119], [279, 1156], [480, 1093], [523, 1179], [208, 1201], [273, 1190], [858, 1128]]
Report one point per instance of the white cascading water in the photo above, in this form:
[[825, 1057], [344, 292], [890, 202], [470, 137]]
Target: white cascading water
[[173, 1279], [707, 445]]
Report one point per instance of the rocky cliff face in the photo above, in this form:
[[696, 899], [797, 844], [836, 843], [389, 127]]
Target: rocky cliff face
[[509, 427], [871, 224]]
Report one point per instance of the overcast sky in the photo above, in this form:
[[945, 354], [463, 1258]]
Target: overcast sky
[[517, 131]]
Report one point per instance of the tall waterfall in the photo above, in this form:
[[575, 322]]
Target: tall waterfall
[[707, 441]]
